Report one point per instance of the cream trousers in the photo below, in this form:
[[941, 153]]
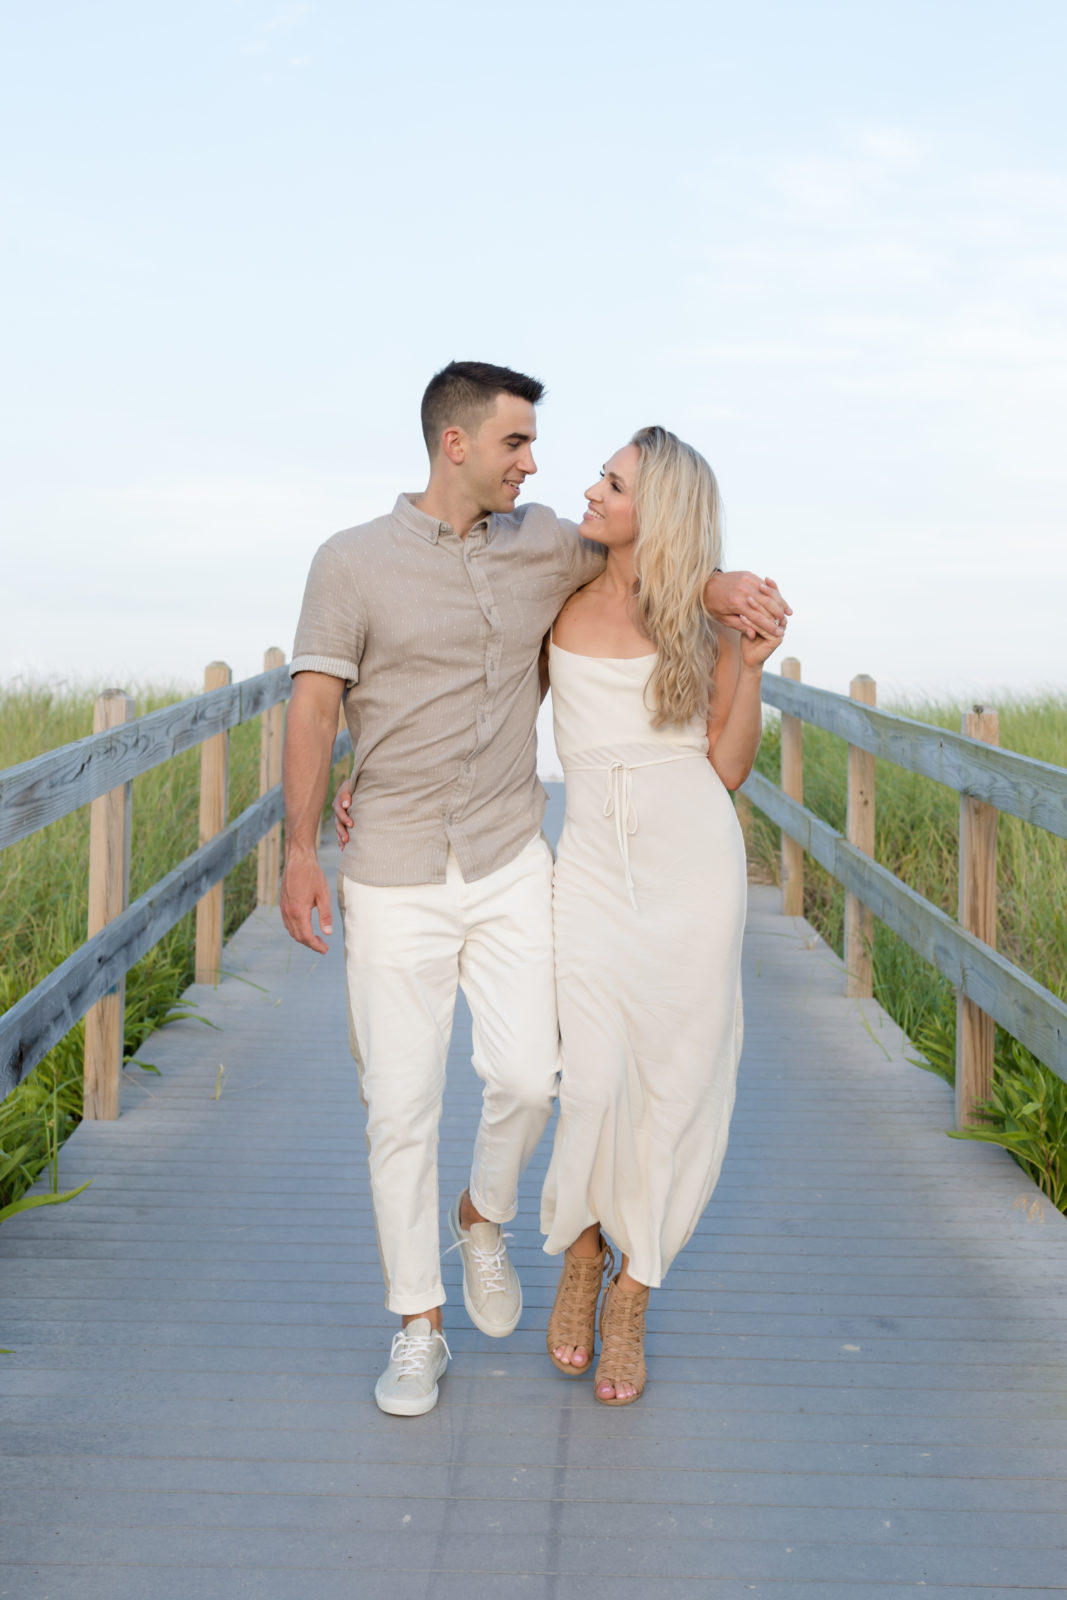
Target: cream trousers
[[406, 950]]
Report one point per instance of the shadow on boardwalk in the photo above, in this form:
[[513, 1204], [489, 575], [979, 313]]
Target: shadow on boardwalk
[[858, 1368]]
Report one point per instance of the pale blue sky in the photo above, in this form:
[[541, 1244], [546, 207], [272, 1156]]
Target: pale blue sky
[[827, 243]]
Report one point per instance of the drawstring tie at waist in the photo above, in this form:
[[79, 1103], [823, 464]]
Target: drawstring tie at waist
[[620, 805], [619, 802]]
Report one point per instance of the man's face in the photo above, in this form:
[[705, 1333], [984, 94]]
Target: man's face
[[500, 454]]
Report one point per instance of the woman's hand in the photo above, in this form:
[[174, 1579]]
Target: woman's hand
[[342, 812], [755, 649]]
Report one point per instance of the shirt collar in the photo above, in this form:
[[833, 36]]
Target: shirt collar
[[430, 528]]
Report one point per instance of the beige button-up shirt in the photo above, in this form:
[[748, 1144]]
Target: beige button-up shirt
[[437, 639]]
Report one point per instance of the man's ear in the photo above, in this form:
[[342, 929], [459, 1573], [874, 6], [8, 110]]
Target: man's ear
[[454, 445]]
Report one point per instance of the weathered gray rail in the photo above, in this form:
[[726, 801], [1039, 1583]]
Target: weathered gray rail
[[1034, 791], [53, 785], [39, 792], [1031, 1013]]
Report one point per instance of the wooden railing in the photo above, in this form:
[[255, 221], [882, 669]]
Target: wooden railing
[[100, 769], [989, 780]]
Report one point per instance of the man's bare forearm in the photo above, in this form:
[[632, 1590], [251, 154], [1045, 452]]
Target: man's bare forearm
[[311, 726], [309, 734]]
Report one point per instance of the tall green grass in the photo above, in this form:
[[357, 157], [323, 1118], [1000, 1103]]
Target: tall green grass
[[44, 902], [44, 891], [917, 838]]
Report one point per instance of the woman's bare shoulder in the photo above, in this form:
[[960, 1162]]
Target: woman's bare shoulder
[[572, 611]]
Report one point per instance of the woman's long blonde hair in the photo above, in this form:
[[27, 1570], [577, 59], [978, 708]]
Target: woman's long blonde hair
[[677, 548]]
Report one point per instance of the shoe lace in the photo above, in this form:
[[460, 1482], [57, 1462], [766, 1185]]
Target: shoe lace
[[410, 1350], [490, 1263]]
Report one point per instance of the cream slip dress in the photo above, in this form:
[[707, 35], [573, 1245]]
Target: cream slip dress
[[649, 904]]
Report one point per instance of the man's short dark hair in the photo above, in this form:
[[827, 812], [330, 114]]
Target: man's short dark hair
[[462, 395]]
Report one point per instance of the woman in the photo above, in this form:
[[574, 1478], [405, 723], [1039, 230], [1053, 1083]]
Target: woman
[[657, 715]]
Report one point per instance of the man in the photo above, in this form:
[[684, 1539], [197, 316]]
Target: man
[[431, 618]]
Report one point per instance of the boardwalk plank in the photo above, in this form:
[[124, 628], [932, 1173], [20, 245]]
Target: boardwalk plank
[[573, 1541], [859, 1365], [472, 1480], [518, 1447], [192, 1582], [522, 1516]]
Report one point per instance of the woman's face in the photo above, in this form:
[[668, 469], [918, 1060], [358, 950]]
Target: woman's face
[[610, 519]]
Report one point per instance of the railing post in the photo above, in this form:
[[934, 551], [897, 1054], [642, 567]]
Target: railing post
[[214, 804], [859, 830], [271, 725], [109, 893], [792, 785], [978, 914]]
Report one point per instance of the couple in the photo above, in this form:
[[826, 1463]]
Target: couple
[[441, 624]]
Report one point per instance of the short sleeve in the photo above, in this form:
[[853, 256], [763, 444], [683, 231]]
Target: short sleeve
[[587, 558], [332, 625]]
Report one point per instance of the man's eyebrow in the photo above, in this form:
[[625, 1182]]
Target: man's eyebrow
[[520, 438]]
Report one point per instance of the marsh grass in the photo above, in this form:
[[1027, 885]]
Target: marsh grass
[[44, 904], [917, 838]]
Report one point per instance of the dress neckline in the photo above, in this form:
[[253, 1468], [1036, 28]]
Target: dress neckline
[[579, 656]]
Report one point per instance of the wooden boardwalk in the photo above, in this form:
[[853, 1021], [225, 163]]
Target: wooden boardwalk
[[858, 1368]]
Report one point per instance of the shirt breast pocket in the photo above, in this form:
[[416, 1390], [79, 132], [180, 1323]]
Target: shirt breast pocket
[[530, 606]]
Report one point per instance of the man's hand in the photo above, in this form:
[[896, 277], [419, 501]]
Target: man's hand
[[304, 890], [342, 812], [750, 605]]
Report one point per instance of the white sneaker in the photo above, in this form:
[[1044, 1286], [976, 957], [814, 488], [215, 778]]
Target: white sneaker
[[419, 1356], [492, 1293]]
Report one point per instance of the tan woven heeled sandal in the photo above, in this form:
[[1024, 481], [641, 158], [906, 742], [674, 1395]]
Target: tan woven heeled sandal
[[573, 1317], [622, 1342]]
